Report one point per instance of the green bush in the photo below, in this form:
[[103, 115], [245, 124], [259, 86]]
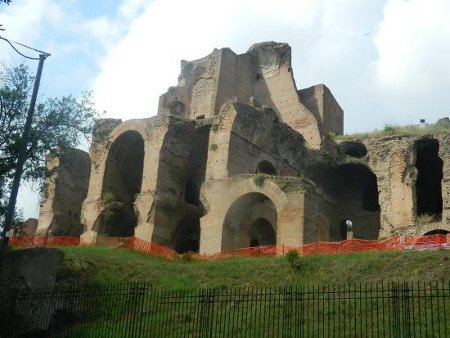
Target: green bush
[[331, 135], [215, 128], [178, 124], [213, 147], [259, 180], [108, 197], [294, 259]]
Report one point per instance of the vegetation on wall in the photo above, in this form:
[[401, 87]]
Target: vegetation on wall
[[440, 127]]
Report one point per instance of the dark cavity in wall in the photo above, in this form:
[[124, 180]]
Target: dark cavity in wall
[[353, 193], [429, 177], [265, 167], [121, 183], [187, 236], [196, 169], [437, 232], [262, 233]]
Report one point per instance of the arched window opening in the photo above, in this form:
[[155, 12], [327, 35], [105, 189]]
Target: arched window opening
[[262, 233], [437, 232], [121, 184], [250, 220], [429, 178], [353, 149], [265, 167]]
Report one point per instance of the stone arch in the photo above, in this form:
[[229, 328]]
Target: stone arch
[[241, 224], [122, 182], [265, 167], [351, 192], [437, 232], [429, 178], [434, 228]]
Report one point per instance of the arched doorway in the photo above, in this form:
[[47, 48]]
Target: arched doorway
[[262, 233], [429, 178], [251, 220], [265, 167], [351, 193], [121, 183]]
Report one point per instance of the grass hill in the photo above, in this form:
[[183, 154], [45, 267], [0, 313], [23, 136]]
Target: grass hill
[[97, 265]]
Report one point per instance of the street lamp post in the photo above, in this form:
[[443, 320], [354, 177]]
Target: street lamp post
[[21, 159]]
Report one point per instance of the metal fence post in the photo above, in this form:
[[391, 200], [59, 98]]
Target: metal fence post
[[287, 313], [395, 310]]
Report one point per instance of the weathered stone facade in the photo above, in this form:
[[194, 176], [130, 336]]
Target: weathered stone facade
[[238, 157]]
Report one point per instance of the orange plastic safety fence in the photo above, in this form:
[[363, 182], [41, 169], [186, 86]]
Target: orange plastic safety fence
[[318, 248], [149, 248], [44, 241]]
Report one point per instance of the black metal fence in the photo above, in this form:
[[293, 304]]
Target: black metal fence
[[138, 310]]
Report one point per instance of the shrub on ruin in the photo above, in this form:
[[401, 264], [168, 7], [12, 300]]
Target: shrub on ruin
[[259, 180], [178, 124], [331, 135], [215, 127], [213, 147], [294, 259], [108, 197]]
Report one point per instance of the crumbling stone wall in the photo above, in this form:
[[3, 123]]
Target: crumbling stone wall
[[261, 77], [64, 192], [238, 156]]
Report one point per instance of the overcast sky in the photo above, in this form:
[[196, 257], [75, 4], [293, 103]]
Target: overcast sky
[[385, 61]]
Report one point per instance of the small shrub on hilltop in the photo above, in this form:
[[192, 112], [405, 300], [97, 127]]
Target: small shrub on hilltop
[[294, 259]]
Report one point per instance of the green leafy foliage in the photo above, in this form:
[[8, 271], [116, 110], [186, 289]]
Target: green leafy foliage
[[58, 123], [178, 124], [108, 197], [259, 180], [294, 259]]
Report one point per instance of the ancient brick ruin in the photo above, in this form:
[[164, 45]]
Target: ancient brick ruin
[[237, 156]]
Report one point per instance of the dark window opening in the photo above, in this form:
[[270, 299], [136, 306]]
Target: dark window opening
[[265, 167], [192, 192], [353, 149], [437, 232], [429, 177]]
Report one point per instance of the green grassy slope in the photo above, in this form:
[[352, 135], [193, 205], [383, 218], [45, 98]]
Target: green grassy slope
[[102, 265]]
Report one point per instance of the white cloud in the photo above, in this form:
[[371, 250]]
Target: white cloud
[[411, 73], [413, 43], [145, 62]]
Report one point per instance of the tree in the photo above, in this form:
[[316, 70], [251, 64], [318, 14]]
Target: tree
[[58, 123], [6, 1]]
